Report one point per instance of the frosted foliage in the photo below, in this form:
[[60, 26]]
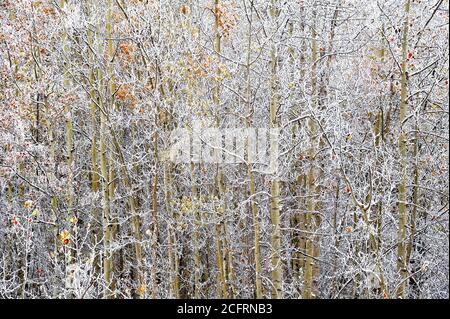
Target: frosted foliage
[[313, 138]]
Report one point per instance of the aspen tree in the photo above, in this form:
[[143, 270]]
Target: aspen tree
[[104, 169], [196, 196], [173, 255], [308, 292], [95, 174], [402, 267], [275, 186], [69, 130], [173, 260], [376, 239], [191, 100], [301, 182], [197, 225], [70, 252], [155, 222], [251, 177], [221, 250], [415, 195], [52, 138]]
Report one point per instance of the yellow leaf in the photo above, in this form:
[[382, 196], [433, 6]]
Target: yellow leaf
[[28, 204], [64, 235], [141, 290]]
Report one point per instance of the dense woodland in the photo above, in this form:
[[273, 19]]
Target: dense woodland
[[92, 204]]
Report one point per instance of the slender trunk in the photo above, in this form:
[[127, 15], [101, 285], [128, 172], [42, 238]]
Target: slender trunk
[[220, 249], [415, 196], [311, 205], [69, 138], [155, 227], [173, 255], [197, 225], [251, 177], [402, 267], [106, 200], [275, 185], [301, 183], [95, 173]]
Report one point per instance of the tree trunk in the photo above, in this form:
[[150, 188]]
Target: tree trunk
[[402, 267]]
